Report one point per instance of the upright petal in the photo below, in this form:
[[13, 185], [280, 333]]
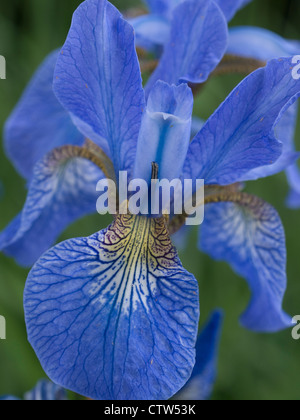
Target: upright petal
[[98, 80], [250, 237], [165, 131], [115, 315], [240, 135], [62, 189], [200, 385], [259, 43], [230, 7], [197, 43], [39, 123]]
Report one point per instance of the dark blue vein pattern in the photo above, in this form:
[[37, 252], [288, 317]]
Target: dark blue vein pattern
[[62, 190], [250, 237], [98, 80], [115, 315]]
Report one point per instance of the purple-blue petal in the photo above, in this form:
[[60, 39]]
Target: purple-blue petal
[[114, 316], [262, 44], [165, 131], [98, 80], [252, 240], [240, 136], [197, 43], [200, 384], [39, 123], [284, 131], [62, 190]]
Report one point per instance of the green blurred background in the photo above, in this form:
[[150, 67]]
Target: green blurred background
[[251, 366]]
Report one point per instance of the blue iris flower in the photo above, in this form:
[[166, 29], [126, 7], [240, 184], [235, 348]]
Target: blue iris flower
[[115, 315], [40, 124], [43, 391]]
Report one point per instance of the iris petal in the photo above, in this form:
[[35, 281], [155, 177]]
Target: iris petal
[[165, 131], [115, 315], [259, 43], [98, 80], [197, 43], [285, 133], [200, 385], [262, 44], [240, 136], [39, 123], [62, 190], [251, 239]]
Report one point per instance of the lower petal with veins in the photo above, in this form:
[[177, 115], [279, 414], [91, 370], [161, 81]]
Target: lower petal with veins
[[115, 315]]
